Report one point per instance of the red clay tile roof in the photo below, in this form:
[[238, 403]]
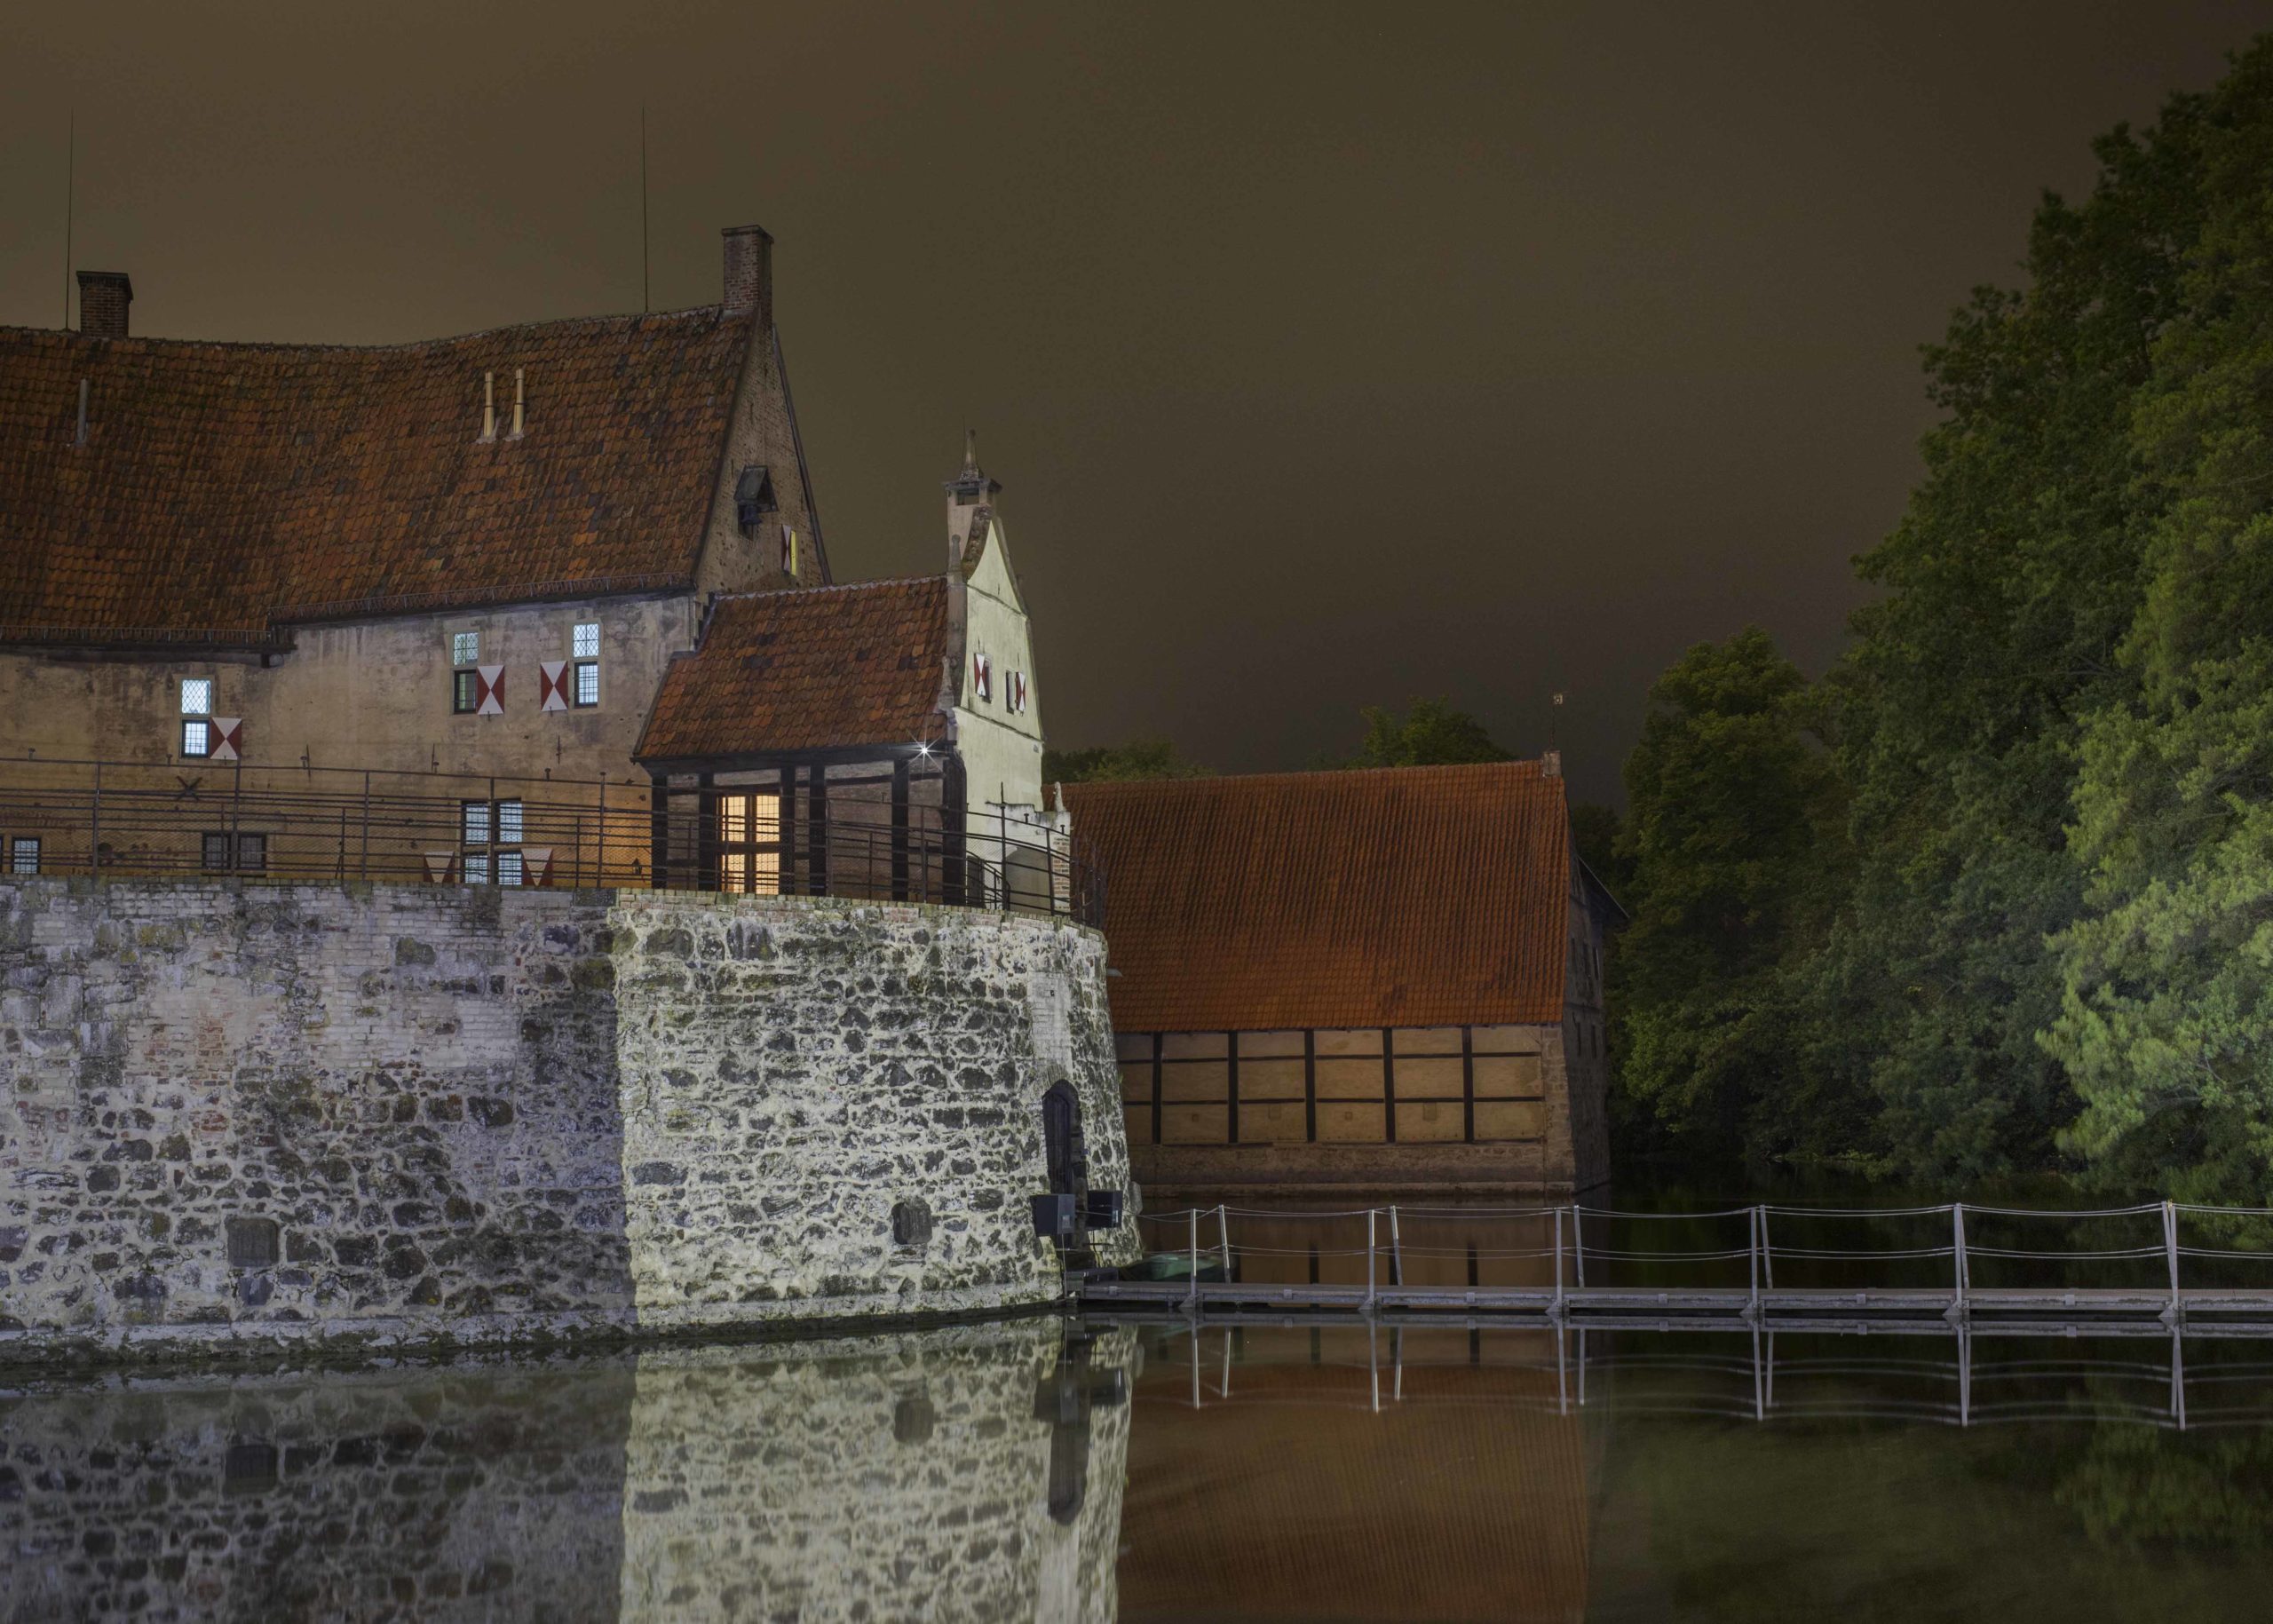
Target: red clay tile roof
[[225, 486], [1405, 897], [809, 668]]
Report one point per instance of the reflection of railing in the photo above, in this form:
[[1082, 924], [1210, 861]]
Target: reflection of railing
[[1638, 1376], [2162, 1260], [129, 820]]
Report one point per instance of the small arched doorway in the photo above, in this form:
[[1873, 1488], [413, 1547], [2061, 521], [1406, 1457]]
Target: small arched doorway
[[1061, 1139]]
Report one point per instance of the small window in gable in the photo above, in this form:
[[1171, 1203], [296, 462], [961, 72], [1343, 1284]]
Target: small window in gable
[[754, 498], [465, 648]]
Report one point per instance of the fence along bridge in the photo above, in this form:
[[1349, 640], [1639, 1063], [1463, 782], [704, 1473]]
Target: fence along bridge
[[2155, 1262]]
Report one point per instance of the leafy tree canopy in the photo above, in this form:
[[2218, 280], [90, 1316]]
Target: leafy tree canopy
[[1146, 755], [1431, 733]]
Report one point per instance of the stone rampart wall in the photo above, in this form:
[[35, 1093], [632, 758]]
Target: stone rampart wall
[[372, 1116]]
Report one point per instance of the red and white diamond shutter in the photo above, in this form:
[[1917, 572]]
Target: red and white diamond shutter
[[553, 685], [228, 738], [489, 689], [982, 677], [1019, 692]]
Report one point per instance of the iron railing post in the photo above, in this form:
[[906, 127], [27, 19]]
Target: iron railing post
[[1752, 1256], [1957, 1229], [95, 831], [1578, 1247], [236, 811], [1372, 1214], [2170, 1250], [363, 864], [1767, 1254], [1223, 1239], [1396, 1251], [1559, 1306], [1192, 1296]]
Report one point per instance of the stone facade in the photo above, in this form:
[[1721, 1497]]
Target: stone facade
[[248, 1117], [964, 1473]]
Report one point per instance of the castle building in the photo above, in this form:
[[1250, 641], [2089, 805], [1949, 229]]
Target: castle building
[[578, 552], [1376, 980]]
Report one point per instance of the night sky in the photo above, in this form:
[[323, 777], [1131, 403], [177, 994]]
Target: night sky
[[1328, 355]]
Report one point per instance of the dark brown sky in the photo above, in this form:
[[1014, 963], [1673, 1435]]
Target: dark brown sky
[[1328, 354]]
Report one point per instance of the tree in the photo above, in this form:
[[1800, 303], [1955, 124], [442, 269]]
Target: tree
[[2166, 1022], [1145, 755], [1729, 797], [1594, 831], [1431, 733], [2009, 583]]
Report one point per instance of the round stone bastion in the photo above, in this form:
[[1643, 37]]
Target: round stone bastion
[[246, 1120]]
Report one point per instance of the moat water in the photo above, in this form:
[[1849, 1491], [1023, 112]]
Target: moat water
[[1146, 1471]]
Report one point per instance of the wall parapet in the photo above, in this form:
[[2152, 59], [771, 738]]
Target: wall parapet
[[362, 1118]]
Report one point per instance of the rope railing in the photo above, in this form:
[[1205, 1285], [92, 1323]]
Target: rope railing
[[1251, 1246]]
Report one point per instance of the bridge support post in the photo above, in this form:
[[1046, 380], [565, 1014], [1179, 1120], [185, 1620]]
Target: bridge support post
[[2174, 1313]]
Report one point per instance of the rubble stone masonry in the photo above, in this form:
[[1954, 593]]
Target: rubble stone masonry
[[242, 1118]]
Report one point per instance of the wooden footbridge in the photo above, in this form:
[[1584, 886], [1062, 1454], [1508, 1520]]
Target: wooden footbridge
[[2161, 1262]]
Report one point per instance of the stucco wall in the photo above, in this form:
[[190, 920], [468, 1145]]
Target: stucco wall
[[1000, 747], [492, 1115], [372, 694]]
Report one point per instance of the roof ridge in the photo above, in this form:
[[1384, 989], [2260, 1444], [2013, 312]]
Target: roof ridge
[[832, 586], [69, 337], [1313, 776]]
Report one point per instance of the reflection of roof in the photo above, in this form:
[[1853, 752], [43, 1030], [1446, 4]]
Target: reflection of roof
[[223, 486], [808, 668], [1412, 896], [1292, 1499]]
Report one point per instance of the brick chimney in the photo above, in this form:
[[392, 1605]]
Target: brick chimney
[[103, 298], [750, 272]]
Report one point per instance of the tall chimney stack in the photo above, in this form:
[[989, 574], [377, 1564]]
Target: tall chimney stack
[[103, 298], [750, 272]]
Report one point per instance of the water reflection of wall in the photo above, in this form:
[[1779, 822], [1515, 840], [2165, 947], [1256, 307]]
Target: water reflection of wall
[[849, 1480], [1285, 1493], [963, 1473], [453, 1494]]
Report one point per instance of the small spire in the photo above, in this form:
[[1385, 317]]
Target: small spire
[[971, 482]]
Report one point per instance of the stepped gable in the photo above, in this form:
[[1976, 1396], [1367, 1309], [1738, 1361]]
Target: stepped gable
[[1401, 897], [223, 489], [868, 662]]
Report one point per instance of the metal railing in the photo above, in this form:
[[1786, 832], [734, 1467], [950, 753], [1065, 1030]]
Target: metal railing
[[113, 819], [1365, 1365], [2160, 1258]]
